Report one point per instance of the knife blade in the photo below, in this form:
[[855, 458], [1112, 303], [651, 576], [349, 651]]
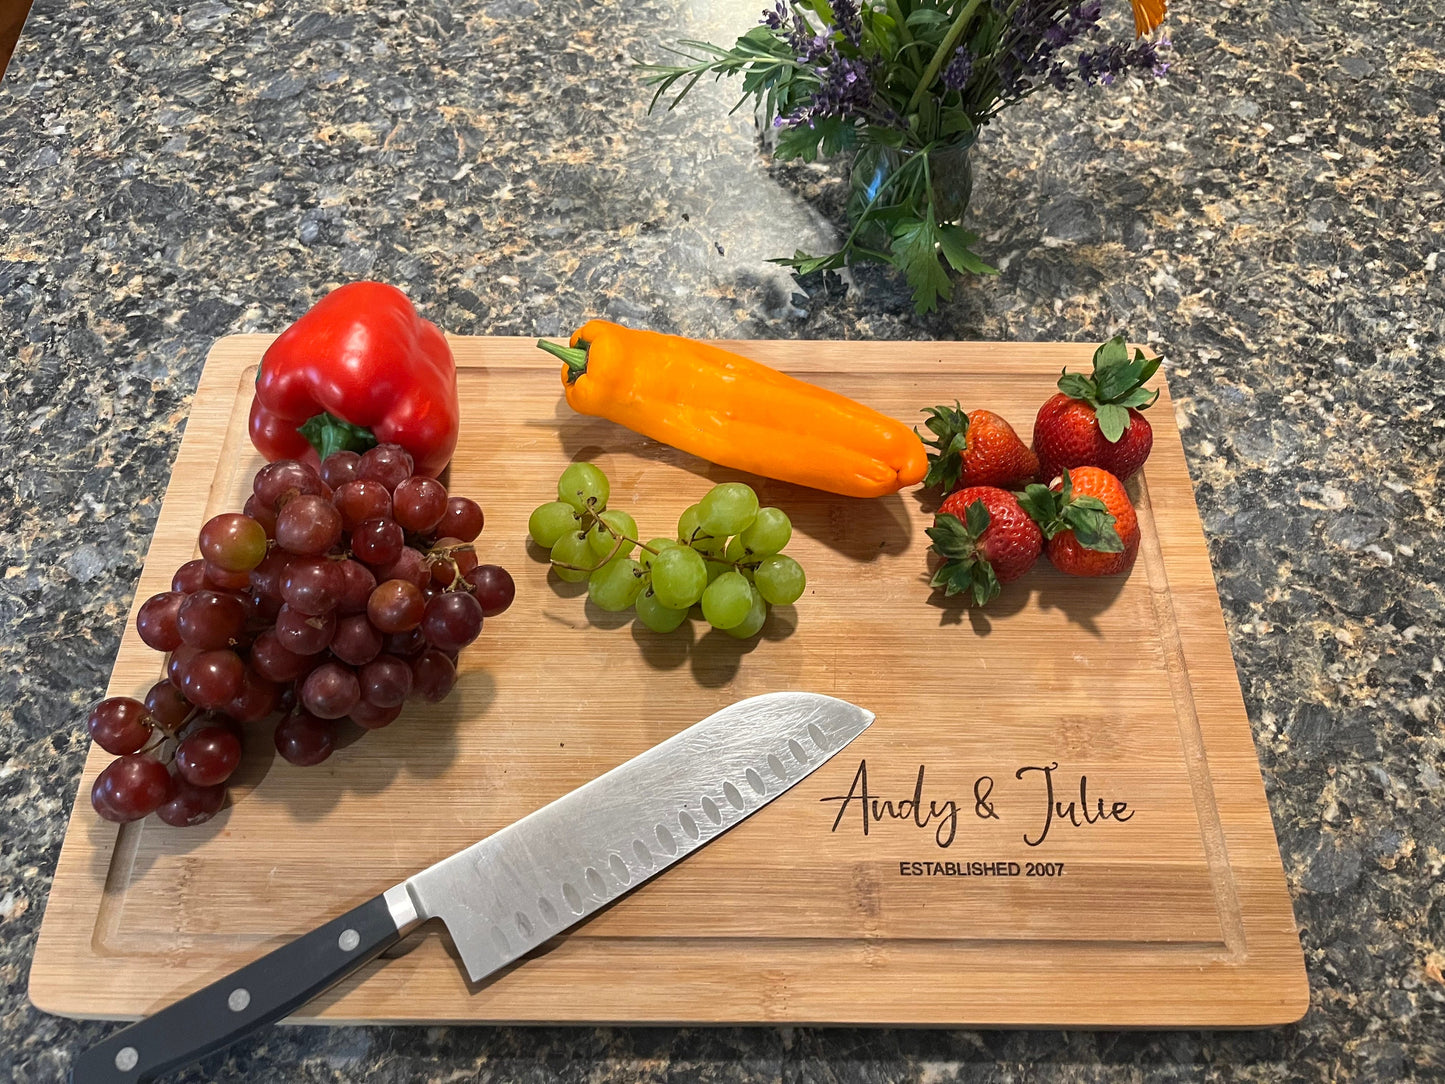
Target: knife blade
[[523, 885]]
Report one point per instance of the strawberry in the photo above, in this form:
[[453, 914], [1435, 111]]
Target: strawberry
[[1094, 421], [985, 539], [975, 449], [1089, 524]]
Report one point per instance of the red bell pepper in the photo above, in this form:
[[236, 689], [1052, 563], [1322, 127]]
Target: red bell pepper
[[360, 368]]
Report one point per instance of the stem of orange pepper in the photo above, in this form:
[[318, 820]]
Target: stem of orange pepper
[[574, 356]]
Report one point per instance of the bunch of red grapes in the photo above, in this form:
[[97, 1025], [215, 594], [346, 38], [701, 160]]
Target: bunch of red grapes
[[336, 595]]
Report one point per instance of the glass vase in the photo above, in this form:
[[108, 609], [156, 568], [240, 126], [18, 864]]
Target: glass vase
[[950, 174]]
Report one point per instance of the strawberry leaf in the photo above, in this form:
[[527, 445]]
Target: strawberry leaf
[[1077, 386], [1113, 352], [1139, 398], [951, 539], [1113, 420], [945, 462], [1151, 365], [1044, 506], [977, 518], [1093, 525]]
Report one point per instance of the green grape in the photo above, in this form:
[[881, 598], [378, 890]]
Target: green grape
[[727, 600], [648, 554], [550, 522], [679, 576], [750, 625], [736, 551], [616, 585], [780, 579], [572, 549], [582, 486], [655, 615], [716, 569], [603, 543], [689, 527], [727, 509], [769, 533]]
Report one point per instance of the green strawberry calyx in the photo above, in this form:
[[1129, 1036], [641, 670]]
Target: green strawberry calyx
[[949, 427], [964, 567], [1058, 510], [1116, 384]]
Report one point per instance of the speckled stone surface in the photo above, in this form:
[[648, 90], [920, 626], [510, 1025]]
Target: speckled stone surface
[[1271, 217]]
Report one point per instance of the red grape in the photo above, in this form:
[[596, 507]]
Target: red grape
[[208, 756], [212, 678], [130, 788], [356, 641], [177, 662], [312, 585], [308, 525], [378, 541], [405, 645], [119, 725], [419, 503], [462, 519], [385, 682], [257, 698], [190, 805], [266, 577], [262, 610], [277, 483], [330, 691], [191, 576], [432, 675], [493, 587], [233, 541], [165, 704], [452, 620], [211, 619], [274, 662], [225, 579], [360, 501], [389, 464], [304, 634], [303, 739], [373, 718], [156, 621], [263, 514], [338, 468], [359, 585], [396, 606], [411, 566]]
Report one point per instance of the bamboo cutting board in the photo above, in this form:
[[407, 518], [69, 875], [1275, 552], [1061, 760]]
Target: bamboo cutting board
[[1057, 819]]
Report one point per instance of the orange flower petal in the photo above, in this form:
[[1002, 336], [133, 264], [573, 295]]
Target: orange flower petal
[[1148, 14]]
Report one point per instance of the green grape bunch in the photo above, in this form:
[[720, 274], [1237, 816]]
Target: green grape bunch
[[726, 558]]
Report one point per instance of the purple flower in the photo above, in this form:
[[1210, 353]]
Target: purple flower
[[777, 18], [848, 20], [1105, 64], [956, 74]]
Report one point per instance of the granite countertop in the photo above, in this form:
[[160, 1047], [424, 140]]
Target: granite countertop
[[1271, 216]]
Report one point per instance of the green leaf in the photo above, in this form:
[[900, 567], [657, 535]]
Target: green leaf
[[1139, 398], [925, 19], [1077, 386], [915, 251], [985, 583], [957, 247], [953, 122], [950, 537], [1113, 420], [1044, 506], [1150, 367], [1093, 525], [977, 518], [945, 462], [1113, 352]]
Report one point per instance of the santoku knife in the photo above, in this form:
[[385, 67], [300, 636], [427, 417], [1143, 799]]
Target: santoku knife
[[523, 885]]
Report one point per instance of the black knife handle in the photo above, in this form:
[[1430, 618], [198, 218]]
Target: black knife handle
[[259, 993]]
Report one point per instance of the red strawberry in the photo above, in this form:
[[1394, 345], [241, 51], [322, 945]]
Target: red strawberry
[[985, 539], [975, 449], [1088, 521], [1094, 421]]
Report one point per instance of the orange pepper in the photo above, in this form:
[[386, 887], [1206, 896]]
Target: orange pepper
[[736, 412]]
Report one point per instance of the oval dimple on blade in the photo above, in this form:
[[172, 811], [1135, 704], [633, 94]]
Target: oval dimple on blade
[[605, 838]]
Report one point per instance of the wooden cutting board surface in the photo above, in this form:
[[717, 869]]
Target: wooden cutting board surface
[[1002, 899]]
